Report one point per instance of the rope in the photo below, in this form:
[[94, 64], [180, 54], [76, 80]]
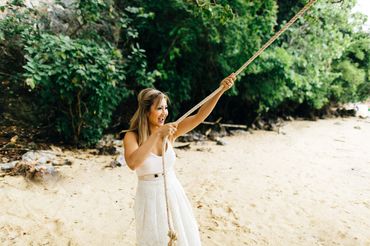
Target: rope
[[273, 38], [171, 233]]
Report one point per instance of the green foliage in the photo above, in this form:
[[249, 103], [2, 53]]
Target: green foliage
[[312, 56], [315, 44], [353, 84], [202, 44], [12, 26], [80, 74], [105, 51], [270, 84], [307, 74], [81, 82]]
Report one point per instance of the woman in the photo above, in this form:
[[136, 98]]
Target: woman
[[143, 148]]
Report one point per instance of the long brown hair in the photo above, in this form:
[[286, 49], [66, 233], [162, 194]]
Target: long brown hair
[[139, 122]]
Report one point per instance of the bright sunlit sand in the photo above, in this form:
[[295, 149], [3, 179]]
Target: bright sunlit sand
[[308, 185]]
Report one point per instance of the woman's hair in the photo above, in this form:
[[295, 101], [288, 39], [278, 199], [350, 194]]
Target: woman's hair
[[139, 122]]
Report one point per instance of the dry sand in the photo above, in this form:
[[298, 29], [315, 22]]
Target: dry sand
[[308, 185]]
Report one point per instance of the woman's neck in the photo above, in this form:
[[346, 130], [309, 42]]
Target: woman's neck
[[152, 129]]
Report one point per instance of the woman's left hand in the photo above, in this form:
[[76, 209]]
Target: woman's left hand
[[228, 82]]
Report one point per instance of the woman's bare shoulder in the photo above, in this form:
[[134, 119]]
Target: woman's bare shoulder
[[130, 136]]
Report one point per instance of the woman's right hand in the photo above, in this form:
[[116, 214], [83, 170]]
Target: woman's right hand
[[167, 130]]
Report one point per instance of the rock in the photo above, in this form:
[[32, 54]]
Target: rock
[[239, 132], [121, 160], [274, 127], [259, 124], [221, 142], [214, 136], [64, 162], [118, 162], [253, 127], [113, 164], [30, 170], [192, 137], [14, 139], [279, 121], [106, 140], [109, 146], [32, 146], [43, 160], [46, 169], [288, 118], [343, 112], [42, 156], [204, 149], [107, 150], [223, 132], [8, 166], [267, 127], [55, 148], [118, 143]]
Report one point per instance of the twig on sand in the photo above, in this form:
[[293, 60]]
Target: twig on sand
[[226, 125]]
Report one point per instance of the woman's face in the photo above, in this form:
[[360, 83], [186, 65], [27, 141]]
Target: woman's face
[[158, 113]]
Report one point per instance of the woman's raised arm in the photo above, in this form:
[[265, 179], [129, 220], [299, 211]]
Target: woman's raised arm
[[193, 121]]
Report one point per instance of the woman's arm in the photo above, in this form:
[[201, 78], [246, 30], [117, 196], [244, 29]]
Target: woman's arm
[[193, 121], [135, 154]]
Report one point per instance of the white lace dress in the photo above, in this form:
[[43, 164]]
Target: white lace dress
[[150, 206]]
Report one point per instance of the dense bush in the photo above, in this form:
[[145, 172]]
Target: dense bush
[[85, 59], [80, 82], [78, 70], [202, 43], [353, 83], [205, 42]]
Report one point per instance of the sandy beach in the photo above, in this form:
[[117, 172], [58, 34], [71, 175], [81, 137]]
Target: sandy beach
[[309, 184]]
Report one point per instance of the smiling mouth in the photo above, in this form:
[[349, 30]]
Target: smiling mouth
[[161, 120]]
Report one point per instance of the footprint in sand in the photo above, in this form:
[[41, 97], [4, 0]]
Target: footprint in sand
[[9, 233]]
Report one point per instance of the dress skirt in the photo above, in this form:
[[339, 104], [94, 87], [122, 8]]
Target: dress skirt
[[151, 215]]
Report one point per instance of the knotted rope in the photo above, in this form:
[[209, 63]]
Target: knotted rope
[[171, 232]]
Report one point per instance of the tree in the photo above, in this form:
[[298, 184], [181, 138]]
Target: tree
[[78, 70]]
